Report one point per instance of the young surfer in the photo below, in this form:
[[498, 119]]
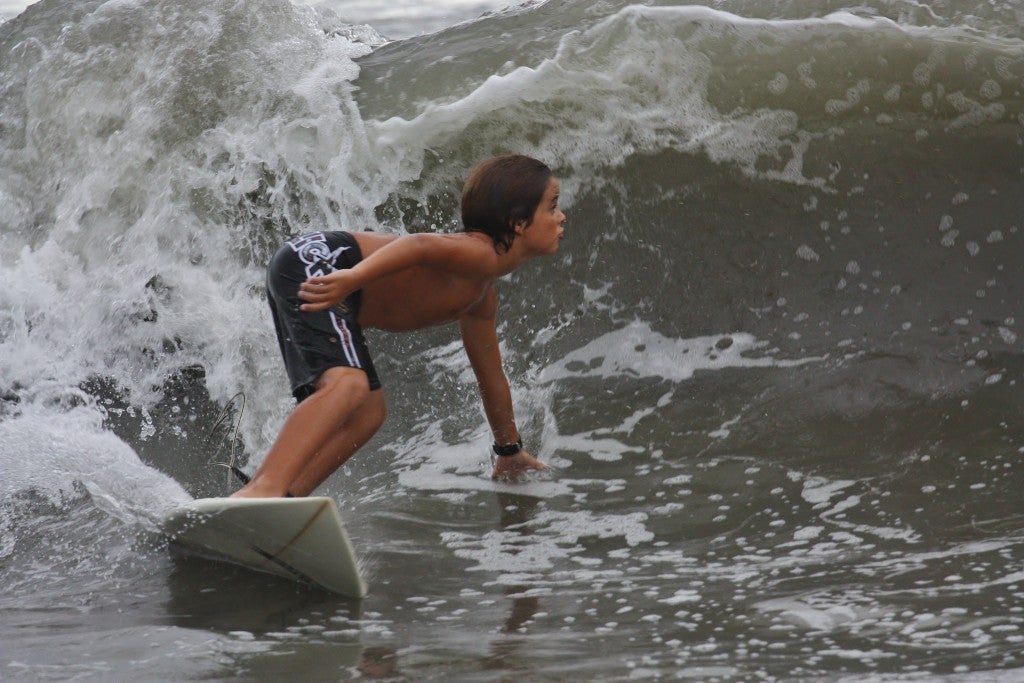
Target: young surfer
[[325, 287]]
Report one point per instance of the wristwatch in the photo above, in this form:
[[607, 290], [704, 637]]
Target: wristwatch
[[508, 449]]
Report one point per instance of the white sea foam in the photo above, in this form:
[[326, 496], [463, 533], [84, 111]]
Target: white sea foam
[[682, 596], [636, 350], [49, 453], [135, 276], [546, 540], [829, 497], [812, 617], [629, 95], [631, 351], [819, 491]]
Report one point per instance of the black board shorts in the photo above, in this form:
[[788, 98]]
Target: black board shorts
[[311, 342]]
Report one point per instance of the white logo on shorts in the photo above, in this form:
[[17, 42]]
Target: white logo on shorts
[[315, 254]]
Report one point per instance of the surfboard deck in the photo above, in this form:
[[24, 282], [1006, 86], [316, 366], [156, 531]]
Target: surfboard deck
[[302, 539]]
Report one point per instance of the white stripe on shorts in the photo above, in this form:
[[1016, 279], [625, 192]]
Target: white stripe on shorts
[[345, 337]]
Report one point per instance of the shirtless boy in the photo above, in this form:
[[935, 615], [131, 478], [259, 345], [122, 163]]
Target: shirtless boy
[[325, 287]]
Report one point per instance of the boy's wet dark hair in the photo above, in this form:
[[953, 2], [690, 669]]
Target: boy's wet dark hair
[[501, 192]]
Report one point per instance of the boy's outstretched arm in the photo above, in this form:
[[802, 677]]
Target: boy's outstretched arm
[[480, 338], [455, 253]]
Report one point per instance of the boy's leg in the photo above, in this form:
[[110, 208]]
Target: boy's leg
[[339, 393], [348, 439]]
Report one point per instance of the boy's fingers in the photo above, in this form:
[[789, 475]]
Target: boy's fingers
[[314, 294], [314, 307]]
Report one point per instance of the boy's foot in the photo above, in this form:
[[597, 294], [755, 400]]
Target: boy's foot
[[245, 479]]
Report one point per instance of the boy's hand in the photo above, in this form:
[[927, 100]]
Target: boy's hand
[[320, 293], [510, 467]]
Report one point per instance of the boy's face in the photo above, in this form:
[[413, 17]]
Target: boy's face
[[545, 231]]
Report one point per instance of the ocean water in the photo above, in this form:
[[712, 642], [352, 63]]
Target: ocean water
[[776, 367]]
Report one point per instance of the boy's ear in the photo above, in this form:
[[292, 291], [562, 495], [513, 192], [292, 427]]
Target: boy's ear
[[519, 227]]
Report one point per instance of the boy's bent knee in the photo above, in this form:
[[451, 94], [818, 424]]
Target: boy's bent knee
[[352, 381]]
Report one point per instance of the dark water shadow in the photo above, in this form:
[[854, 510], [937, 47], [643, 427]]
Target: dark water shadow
[[292, 627]]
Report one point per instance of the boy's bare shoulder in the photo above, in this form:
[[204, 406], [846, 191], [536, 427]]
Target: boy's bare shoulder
[[465, 253], [370, 242], [473, 254], [471, 240]]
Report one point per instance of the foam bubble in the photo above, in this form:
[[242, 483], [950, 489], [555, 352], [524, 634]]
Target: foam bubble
[[990, 90], [681, 597], [807, 253], [778, 84], [852, 99]]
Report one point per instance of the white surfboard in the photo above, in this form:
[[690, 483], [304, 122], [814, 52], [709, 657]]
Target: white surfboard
[[298, 538]]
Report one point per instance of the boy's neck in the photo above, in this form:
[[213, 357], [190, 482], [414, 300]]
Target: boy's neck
[[510, 260]]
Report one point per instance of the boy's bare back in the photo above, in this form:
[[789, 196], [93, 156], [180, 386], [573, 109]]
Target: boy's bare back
[[425, 296]]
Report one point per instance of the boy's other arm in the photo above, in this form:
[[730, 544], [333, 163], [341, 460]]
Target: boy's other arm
[[454, 253], [480, 338]]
